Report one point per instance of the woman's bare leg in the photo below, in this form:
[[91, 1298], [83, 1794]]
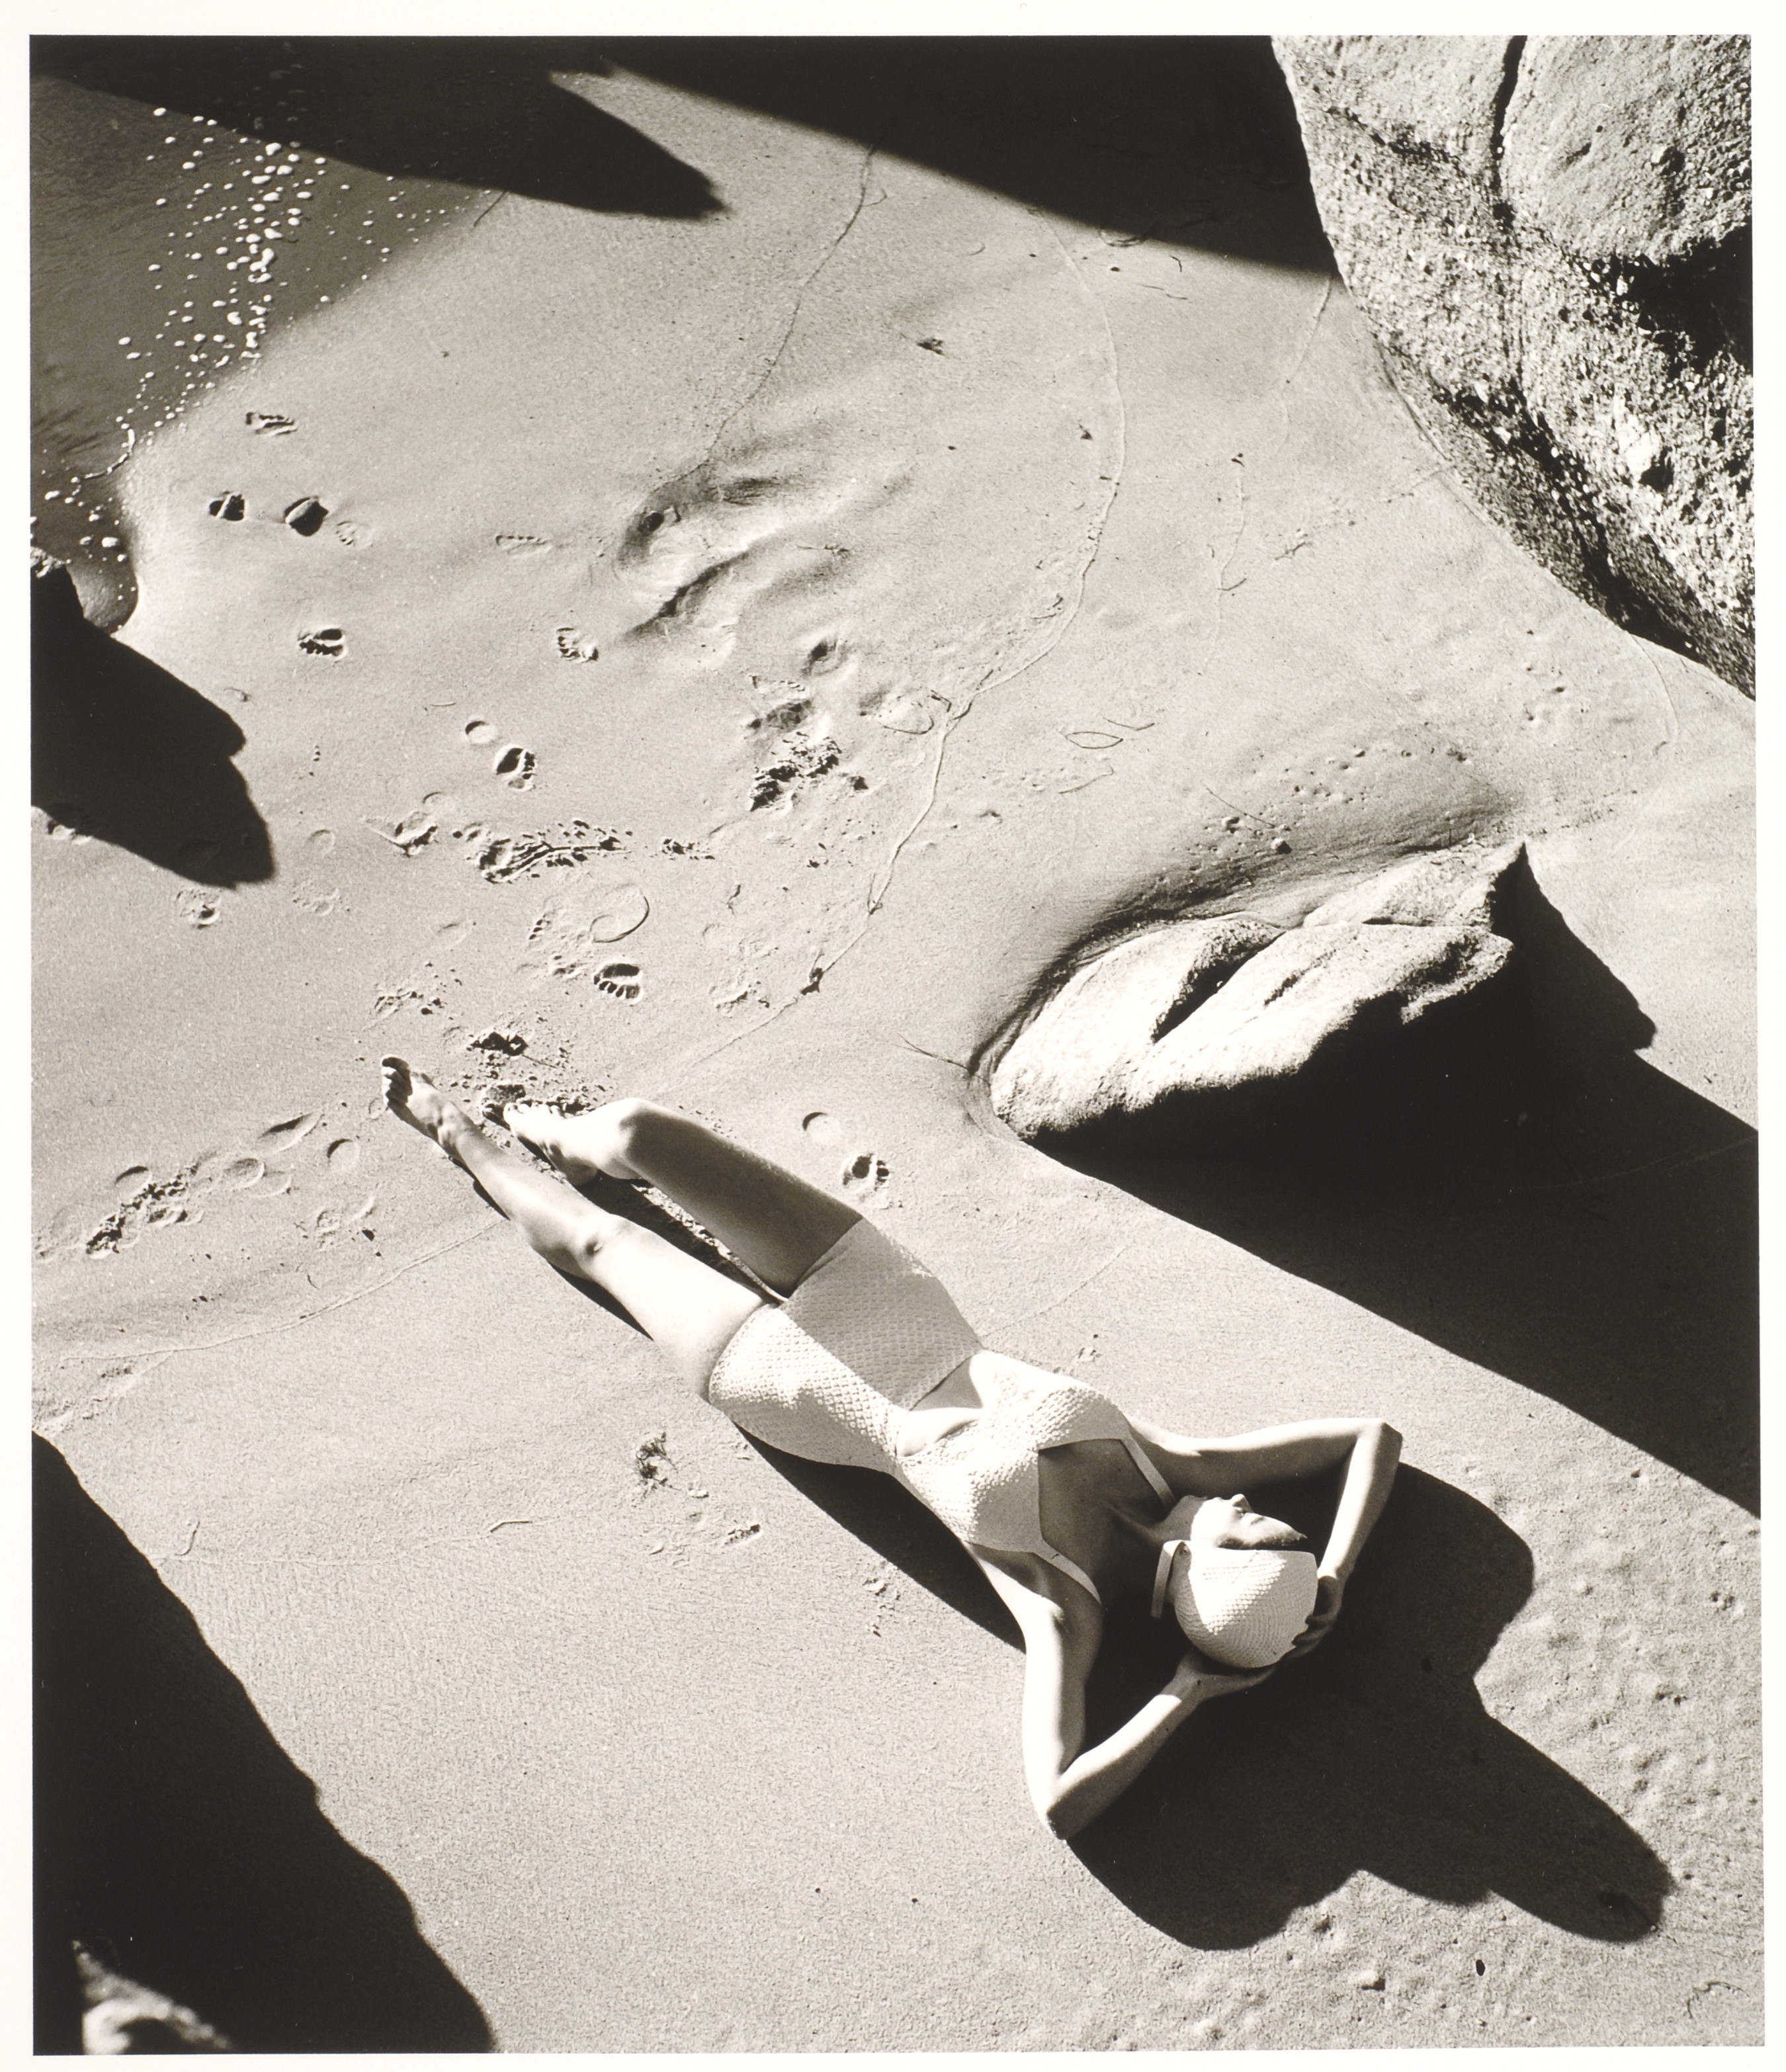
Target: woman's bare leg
[[775, 1223], [690, 1311]]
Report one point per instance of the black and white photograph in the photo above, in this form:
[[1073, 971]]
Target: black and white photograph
[[893, 1022]]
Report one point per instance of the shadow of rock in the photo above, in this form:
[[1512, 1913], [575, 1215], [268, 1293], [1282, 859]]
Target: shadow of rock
[[1576, 1220], [1191, 140], [483, 111], [124, 753], [1374, 1754], [176, 1841]]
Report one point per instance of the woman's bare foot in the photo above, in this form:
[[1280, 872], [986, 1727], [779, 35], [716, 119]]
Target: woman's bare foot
[[580, 1146], [413, 1098]]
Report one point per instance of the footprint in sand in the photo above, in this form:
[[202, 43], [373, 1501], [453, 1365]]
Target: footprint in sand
[[576, 645], [526, 545], [323, 640], [899, 711], [568, 934], [516, 766], [143, 1203], [305, 517], [319, 900], [479, 733], [414, 831], [235, 1173], [782, 716], [269, 424], [229, 505], [823, 656], [620, 981], [821, 1128], [800, 763], [343, 1157], [320, 841], [353, 533], [279, 1137], [865, 1179], [198, 910]]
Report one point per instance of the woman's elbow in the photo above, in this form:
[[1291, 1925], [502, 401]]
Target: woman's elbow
[[1058, 1814], [1062, 1825]]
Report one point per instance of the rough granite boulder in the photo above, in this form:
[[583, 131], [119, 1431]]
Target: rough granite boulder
[[1551, 237], [1238, 1037]]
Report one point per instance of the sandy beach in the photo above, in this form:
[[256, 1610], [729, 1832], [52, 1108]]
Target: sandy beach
[[712, 572]]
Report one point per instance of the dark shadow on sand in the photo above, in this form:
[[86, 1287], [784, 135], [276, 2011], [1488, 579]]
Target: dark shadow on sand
[[1375, 1753], [177, 1842], [124, 752], [481, 111], [1576, 1220], [1187, 140]]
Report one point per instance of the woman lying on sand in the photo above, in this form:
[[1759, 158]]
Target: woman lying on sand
[[1067, 1504]]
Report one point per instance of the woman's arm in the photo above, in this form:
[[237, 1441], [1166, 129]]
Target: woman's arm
[[1220, 1467], [1068, 1787], [1279, 1454], [1363, 1494]]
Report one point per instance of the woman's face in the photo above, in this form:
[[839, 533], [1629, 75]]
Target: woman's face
[[1227, 1521]]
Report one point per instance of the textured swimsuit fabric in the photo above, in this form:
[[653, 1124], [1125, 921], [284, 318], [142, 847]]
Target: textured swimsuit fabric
[[830, 1374], [981, 1480], [827, 1374]]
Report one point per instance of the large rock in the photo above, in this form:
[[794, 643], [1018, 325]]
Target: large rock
[[1239, 1036], [1549, 236]]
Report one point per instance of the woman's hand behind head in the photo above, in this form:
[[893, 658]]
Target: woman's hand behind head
[[1197, 1679], [1328, 1592]]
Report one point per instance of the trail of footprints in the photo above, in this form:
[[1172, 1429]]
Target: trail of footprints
[[291, 1152], [306, 515]]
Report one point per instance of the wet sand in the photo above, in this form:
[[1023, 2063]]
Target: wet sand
[[766, 560]]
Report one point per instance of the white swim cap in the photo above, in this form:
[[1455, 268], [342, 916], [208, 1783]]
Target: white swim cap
[[1243, 1606]]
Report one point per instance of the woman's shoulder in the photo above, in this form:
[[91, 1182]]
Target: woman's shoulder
[[1033, 1589]]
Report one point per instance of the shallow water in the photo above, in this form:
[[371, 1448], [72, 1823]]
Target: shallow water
[[188, 202]]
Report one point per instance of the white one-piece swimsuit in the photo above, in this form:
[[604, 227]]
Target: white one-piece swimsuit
[[831, 1374]]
